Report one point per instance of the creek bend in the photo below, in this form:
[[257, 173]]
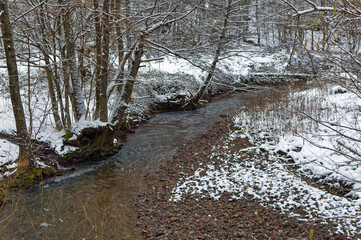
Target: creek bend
[[96, 200]]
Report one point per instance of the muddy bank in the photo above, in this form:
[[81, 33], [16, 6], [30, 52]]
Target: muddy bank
[[195, 217]]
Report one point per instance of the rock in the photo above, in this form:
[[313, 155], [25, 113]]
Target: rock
[[158, 233]]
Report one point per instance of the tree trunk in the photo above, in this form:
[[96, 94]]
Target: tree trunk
[[246, 18], [98, 52], [118, 32], [76, 95], [123, 99], [65, 74], [54, 103], [103, 108], [258, 23], [49, 72], [18, 110], [63, 114]]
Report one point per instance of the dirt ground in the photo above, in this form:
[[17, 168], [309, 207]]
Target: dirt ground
[[204, 218]]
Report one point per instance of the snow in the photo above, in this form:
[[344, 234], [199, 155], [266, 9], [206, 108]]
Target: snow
[[8, 151], [234, 64], [316, 146], [284, 132], [245, 172], [280, 128], [55, 139], [322, 150], [77, 127], [173, 65]]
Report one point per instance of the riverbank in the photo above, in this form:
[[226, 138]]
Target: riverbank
[[162, 216], [97, 200], [261, 173]]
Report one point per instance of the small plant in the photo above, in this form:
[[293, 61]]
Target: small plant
[[68, 135]]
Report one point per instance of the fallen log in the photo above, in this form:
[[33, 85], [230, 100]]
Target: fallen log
[[277, 75]]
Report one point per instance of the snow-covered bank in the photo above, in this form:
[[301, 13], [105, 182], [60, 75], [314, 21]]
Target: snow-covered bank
[[250, 171], [318, 128], [278, 131]]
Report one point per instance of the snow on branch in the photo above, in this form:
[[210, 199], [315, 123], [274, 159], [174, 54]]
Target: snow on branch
[[314, 8], [28, 11], [163, 22]]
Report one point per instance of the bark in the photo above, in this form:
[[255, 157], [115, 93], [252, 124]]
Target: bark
[[118, 28], [258, 23], [98, 48], [58, 92], [103, 108], [65, 72], [76, 94], [117, 81], [82, 69], [14, 88], [65, 66], [54, 103], [79, 107]]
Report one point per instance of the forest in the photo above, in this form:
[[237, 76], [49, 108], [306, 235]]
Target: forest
[[79, 78]]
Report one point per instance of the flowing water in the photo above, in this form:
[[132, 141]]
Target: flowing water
[[96, 200]]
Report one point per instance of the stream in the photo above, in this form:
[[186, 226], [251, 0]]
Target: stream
[[96, 200]]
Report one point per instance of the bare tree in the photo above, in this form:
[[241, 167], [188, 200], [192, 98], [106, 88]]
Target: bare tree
[[217, 54], [21, 131]]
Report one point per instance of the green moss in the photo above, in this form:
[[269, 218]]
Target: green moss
[[68, 134], [23, 179], [117, 146], [31, 176]]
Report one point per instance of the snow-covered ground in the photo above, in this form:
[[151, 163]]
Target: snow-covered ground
[[238, 65], [284, 131], [318, 128]]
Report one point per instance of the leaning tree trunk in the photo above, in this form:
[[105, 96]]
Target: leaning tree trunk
[[53, 98], [21, 131], [195, 100], [119, 114]]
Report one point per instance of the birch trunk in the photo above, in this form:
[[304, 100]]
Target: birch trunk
[[76, 94]]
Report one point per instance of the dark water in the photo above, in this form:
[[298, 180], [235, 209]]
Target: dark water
[[96, 201]]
